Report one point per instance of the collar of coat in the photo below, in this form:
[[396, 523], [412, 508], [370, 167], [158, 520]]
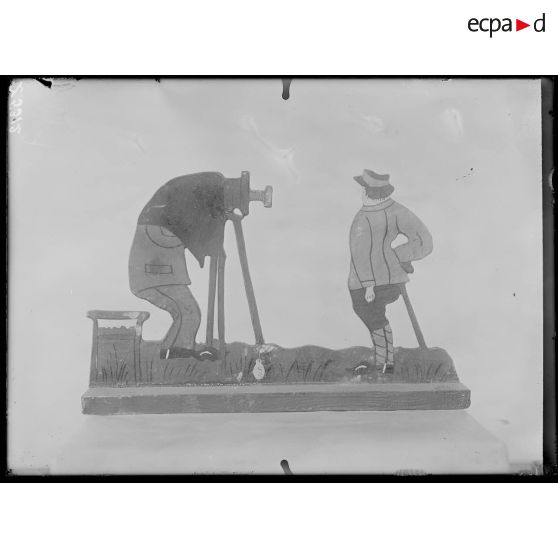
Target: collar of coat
[[377, 207]]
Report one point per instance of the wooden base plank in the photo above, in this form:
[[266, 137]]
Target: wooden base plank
[[262, 398]]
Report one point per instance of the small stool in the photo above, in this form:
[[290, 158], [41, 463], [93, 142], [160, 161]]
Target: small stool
[[97, 315]]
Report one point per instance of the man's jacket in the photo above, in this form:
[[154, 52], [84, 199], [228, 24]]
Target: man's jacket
[[156, 259], [191, 207], [373, 261], [186, 212]]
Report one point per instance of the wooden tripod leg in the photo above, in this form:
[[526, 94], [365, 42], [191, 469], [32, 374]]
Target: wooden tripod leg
[[211, 301], [221, 308], [248, 283]]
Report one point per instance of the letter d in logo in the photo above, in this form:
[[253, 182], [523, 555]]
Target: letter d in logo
[[539, 24]]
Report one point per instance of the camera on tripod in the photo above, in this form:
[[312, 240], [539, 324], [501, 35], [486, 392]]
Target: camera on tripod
[[237, 194]]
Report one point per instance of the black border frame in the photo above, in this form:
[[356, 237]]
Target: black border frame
[[549, 103]]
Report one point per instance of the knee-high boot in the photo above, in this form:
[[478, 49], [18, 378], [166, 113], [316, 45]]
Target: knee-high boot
[[383, 346]]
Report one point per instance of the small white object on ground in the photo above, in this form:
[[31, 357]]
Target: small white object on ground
[[259, 370]]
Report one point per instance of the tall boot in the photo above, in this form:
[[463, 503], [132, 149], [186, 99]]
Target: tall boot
[[383, 349]]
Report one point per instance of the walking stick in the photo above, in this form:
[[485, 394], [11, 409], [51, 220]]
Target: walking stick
[[414, 321], [258, 334]]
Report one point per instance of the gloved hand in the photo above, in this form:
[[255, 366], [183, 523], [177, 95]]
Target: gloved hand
[[407, 267]]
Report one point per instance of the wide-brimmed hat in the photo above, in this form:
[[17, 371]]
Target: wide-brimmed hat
[[377, 185]]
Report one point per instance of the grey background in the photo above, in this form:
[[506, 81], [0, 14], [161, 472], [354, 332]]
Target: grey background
[[463, 155]]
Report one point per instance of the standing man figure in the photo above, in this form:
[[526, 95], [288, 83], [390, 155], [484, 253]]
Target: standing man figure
[[378, 270]]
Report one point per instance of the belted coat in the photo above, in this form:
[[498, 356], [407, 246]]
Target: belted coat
[[185, 213]]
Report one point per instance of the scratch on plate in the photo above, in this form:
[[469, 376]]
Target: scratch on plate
[[284, 157], [453, 123]]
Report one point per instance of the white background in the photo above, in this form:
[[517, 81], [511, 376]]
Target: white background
[[253, 37]]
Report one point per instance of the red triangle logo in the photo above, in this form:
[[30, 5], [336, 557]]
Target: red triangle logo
[[519, 25]]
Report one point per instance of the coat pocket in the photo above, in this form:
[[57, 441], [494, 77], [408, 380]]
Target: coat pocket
[[158, 269]]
